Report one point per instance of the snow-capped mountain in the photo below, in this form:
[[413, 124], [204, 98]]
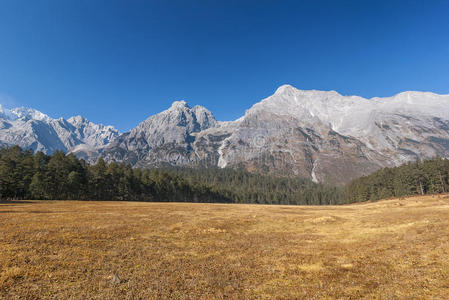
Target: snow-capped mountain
[[32, 129], [406, 126], [322, 135], [334, 138]]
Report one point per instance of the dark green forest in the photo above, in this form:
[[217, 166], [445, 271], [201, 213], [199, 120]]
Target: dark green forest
[[413, 178], [244, 187], [24, 175]]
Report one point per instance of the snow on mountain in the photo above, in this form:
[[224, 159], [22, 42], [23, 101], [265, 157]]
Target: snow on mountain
[[7, 114], [30, 113], [352, 114], [32, 129], [405, 126], [93, 135], [321, 135]]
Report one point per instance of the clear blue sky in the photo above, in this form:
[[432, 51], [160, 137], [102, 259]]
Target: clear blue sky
[[117, 62]]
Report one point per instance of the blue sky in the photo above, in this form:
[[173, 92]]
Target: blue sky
[[118, 62]]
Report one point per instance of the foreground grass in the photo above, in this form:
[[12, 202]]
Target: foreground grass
[[391, 249]]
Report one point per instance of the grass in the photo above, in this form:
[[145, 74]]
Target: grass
[[392, 249]]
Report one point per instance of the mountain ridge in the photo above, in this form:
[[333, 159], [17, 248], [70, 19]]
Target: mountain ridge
[[32, 129], [321, 135]]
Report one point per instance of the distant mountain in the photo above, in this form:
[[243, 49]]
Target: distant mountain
[[32, 129], [320, 135]]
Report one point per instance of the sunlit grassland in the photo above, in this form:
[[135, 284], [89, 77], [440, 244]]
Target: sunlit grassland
[[69, 249]]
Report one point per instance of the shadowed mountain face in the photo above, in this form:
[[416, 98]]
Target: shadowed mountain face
[[320, 135]]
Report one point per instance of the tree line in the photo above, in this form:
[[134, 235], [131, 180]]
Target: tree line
[[244, 187], [413, 178], [24, 175], [28, 175]]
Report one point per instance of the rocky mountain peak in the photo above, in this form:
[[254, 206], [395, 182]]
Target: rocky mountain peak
[[179, 105], [180, 115], [285, 89], [77, 119], [204, 117]]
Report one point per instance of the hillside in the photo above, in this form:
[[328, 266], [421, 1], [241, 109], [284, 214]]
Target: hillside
[[391, 249], [413, 178]]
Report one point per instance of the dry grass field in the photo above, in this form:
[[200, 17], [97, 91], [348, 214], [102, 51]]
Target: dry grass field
[[392, 249]]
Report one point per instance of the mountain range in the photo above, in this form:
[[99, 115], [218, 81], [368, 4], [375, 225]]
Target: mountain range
[[321, 135], [31, 129]]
